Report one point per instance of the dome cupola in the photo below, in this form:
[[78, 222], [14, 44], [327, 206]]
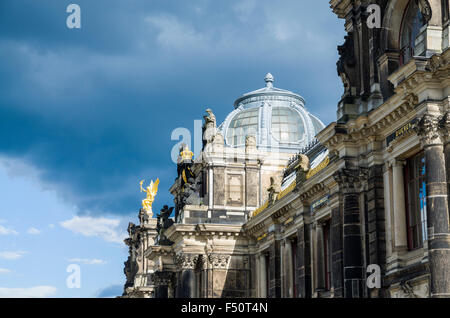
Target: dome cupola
[[276, 117]]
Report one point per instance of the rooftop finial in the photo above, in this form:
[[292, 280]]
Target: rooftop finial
[[269, 80]]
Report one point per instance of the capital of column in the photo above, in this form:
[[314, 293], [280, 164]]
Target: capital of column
[[219, 261], [186, 261], [428, 130], [351, 180], [444, 127], [398, 163], [163, 278]]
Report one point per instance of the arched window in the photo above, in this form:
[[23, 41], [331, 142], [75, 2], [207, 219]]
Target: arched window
[[411, 24]]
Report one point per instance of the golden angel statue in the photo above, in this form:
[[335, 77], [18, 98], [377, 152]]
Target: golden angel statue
[[151, 191]]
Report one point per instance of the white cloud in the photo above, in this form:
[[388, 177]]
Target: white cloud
[[12, 254], [30, 292], [87, 261], [33, 231], [6, 231], [173, 33], [104, 228], [4, 271]]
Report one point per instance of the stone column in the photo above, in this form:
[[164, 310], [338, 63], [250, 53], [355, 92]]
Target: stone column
[[437, 206], [289, 270], [274, 268], [336, 252], [303, 262], [444, 125], [186, 275], [354, 274], [256, 275], [282, 270], [262, 276], [387, 207], [319, 264], [210, 187], [162, 280], [398, 191]]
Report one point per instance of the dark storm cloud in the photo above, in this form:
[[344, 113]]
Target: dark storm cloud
[[93, 109]]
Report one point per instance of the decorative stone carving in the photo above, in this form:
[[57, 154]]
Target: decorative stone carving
[[143, 216], [131, 229], [250, 142], [200, 264], [209, 129], [425, 9], [164, 221], [303, 163], [273, 191], [411, 100], [444, 126], [163, 278], [346, 64], [186, 261], [218, 261], [428, 130], [210, 119], [347, 179]]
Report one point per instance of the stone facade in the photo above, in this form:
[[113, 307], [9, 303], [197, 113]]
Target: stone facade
[[372, 189]]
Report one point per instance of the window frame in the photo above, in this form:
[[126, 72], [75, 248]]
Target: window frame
[[415, 207]]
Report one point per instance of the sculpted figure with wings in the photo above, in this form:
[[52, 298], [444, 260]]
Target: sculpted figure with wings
[[151, 191]]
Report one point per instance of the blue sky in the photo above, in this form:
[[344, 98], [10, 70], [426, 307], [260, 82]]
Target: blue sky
[[86, 114]]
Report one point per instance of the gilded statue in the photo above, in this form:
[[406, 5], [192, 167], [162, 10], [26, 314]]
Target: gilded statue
[[151, 191]]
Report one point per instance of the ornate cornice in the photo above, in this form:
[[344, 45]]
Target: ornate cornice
[[317, 188], [282, 211], [255, 228]]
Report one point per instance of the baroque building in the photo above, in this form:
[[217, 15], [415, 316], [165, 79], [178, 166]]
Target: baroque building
[[277, 205]]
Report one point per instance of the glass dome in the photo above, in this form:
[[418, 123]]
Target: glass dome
[[287, 125], [243, 124], [276, 117]]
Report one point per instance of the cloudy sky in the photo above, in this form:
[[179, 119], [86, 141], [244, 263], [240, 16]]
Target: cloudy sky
[[85, 114]]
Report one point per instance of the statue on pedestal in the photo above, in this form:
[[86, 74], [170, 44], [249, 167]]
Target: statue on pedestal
[[163, 223], [273, 191], [209, 128]]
